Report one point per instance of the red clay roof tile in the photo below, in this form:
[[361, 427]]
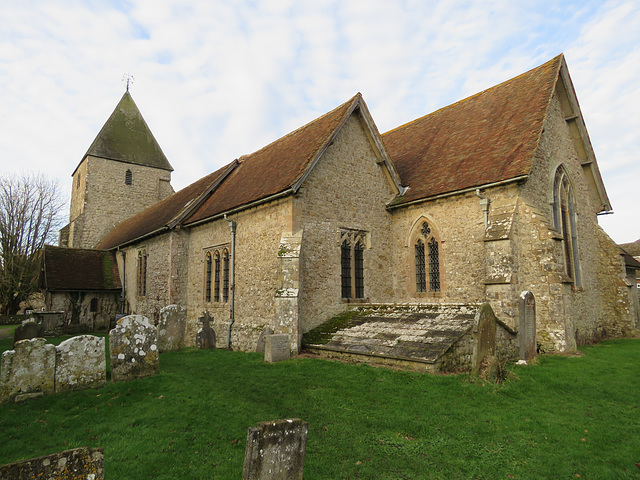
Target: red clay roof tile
[[489, 137]]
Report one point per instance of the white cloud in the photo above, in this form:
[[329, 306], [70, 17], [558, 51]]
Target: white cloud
[[216, 80]]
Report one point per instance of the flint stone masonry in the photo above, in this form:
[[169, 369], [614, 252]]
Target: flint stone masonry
[[277, 348], [206, 337], [80, 363], [275, 450], [28, 369], [133, 347], [28, 329], [78, 464], [171, 329]]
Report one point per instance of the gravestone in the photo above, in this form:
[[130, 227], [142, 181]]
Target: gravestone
[[29, 328], [28, 370], [80, 463], [275, 450], [261, 340], [133, 349], [527, 326], [485, 337], [206, 336], [173, 323], [80, 363], [277, 348]]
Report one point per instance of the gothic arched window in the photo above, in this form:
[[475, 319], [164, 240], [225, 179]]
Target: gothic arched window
[[427, 259], [564, 220], [352, 247]]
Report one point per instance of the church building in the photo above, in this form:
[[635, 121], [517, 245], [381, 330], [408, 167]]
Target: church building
[[478, 202]]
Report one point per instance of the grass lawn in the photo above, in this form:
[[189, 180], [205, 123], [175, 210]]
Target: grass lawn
[[565, 418]]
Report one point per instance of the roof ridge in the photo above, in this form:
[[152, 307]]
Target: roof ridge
[[297, 130], [557, 58]]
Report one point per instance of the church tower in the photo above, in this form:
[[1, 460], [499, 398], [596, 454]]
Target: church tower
[[123, 172]]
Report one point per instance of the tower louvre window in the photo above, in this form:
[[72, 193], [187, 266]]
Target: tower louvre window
[[128, 177]]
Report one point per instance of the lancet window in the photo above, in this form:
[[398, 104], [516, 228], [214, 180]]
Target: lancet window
[[217, 275], [352, 247], [427, 260]]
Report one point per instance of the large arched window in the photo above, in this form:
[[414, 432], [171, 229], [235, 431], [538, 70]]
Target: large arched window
[[426, 250], [564, 219]]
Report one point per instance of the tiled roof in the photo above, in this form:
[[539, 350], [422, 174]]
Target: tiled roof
[[277, 167], [79, 269], [489, 137], [632, 248], [126, 137], [160, 215]]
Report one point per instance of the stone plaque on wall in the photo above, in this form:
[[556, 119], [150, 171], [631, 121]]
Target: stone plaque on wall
[[275, 450]]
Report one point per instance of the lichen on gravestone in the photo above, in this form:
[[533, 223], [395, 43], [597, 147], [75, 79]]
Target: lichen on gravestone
[[28, 368], [133, 349], [80, 363]]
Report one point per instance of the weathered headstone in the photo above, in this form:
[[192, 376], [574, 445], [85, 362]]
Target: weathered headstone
[[485, 337], [27, 370], [133, 349], [261, 340], [171, 329], [527, 326], [80, 463], [29, 328], [80, 363], [277, 348], [275, 450], [206, 336]]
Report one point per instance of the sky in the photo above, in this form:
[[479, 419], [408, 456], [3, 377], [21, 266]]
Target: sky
[[219, 79]]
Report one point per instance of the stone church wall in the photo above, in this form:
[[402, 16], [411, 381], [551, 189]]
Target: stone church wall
[[346, 190], [258, 234], [167, 273], [100, 198]]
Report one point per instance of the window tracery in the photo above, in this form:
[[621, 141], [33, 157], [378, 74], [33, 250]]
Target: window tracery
[[352, 246], [427, 259]]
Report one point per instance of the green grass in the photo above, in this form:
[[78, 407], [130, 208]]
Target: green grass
[[565, 418]]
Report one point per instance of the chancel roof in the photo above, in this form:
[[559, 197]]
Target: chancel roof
[[487, 138], [126, 137], [77, 269]]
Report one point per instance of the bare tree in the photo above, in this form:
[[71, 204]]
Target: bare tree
[[30, 215]]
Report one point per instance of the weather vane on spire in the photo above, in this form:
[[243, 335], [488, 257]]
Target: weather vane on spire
[[127, 77]]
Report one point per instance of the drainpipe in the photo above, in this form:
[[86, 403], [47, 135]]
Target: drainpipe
[[123, 294], [232, 279], [484, 203]]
